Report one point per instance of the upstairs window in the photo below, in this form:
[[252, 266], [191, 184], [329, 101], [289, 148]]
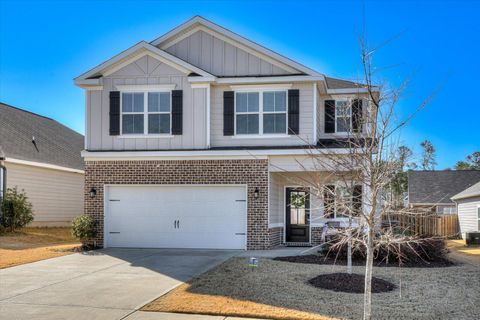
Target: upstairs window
[[132, 112], [259, 113], [343, 116], [275, 112], [247, 112], [146, 113]]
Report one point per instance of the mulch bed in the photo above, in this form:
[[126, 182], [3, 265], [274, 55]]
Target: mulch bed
[[330, 260], [351, 283]]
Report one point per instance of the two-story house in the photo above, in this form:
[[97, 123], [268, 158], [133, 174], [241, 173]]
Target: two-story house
[[191, 140]]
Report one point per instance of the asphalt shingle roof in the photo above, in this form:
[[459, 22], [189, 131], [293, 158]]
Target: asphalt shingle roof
[[54, 143], [473, 191], [439, 186], [333, 83]]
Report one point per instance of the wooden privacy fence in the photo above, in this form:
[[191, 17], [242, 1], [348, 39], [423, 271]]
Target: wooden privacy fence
[[424, 224]]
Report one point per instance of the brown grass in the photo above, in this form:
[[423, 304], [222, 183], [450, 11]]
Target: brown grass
[[34, 244], [180, 300], [460, 251]]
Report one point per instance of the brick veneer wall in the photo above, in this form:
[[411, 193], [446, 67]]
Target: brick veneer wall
[[276, 236], [316, 233], [254, 173]]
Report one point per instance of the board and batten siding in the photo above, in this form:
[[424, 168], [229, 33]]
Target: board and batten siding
[[146, 70], [467, 214], [56, 196], [306, 121], [221, 58]]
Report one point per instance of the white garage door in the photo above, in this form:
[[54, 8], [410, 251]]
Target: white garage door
[[176, 217]]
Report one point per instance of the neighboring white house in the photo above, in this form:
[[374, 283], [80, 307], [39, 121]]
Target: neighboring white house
[[42, 157], [468, 207]]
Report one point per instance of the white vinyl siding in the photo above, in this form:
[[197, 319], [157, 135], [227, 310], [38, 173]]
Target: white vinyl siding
[[468, 215], [56, 196]]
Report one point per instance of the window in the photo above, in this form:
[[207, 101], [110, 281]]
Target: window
[[344, 203], [343, 116], [449, 210], [274, 112], [132, 113], [340, 201], [263, 112], [247, 112], [151, 108], [159, 108]]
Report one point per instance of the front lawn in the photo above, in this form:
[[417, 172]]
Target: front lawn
[[34, 244], [280, 290]]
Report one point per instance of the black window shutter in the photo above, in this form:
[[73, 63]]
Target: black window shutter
[[329, 116], [294, 111], [357, 122], [228, 113], [114, 113], [329, 201], [177, 112], [357, 198]]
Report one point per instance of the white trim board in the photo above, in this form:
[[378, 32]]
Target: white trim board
[[42, 165], [203, 154]]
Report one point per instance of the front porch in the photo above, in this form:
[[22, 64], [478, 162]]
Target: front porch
[[297, 213]]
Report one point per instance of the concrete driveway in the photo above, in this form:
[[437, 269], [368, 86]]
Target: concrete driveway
[[105, 284]]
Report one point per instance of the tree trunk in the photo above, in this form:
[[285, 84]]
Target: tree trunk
[[349, 249], [367, 300]]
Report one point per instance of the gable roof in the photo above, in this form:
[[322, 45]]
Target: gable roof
[[198, 22], [434, 187], [92, 77], [55, 144], [473, 191]]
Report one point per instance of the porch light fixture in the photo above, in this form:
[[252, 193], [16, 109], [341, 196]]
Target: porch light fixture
[[93, 192], [256, 192]]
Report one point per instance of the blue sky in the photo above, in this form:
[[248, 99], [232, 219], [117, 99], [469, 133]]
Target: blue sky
[[45, 44]]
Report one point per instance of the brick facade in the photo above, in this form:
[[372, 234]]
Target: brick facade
[[276, 236], [252, 172]]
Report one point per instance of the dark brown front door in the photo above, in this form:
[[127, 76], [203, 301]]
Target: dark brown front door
[[297, 215]]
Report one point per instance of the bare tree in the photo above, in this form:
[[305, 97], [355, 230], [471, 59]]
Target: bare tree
[[428, 155], [352, 174]]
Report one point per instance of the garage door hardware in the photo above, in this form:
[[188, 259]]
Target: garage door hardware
[[240, 234], [241, 200], [114, 232], [176, 224], [113, 200]]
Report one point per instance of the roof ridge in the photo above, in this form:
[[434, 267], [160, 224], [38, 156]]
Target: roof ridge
[[27, 111]]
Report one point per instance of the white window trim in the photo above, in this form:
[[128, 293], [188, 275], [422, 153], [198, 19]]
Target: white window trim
[[260, 134], [349, 104], [145, 112]]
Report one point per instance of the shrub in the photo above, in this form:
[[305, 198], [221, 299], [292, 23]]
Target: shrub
[[83, 228], [418, 252], [16, 210]]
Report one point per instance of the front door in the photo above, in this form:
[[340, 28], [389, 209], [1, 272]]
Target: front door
[[297, 215]]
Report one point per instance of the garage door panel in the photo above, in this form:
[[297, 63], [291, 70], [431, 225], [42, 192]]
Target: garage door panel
[[144, 216]]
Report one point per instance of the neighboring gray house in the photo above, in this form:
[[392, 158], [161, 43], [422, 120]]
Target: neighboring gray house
[[433, 190], [468, 207], [42, 157], [193, 140]]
